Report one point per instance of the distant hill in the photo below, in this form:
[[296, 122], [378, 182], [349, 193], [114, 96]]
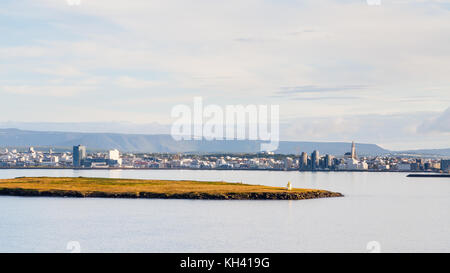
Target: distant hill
[[437, 152], [165, 143]]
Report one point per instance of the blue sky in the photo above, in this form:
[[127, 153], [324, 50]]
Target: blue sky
[[338, 69]]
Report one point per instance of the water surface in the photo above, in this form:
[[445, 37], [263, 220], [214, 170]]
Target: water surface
[[402, 214]]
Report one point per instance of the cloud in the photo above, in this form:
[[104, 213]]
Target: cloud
[[346, 98], [315, 89], [352, 60], [437, 124], [319, 89], [62, 71], [393, 131], [50, 90], [130, 82], [13, 52], [90, 127]]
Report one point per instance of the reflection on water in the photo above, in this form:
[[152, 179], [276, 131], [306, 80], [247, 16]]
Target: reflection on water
[[402, 214]]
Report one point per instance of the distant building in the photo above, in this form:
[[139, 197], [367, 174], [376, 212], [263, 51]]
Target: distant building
[[416, 167], [351, 161], [288, 162], [79, 154], [445, 165], [353, 150], [353, 164], [315, 158], [303, 164], [352, 153], [404, 167], [114, 158], [114, 154], [329, 161], [436, 165]]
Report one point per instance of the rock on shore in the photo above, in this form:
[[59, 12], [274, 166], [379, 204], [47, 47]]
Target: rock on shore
[[189, 195]]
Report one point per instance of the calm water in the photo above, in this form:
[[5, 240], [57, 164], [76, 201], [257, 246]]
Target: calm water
[[402, 214]]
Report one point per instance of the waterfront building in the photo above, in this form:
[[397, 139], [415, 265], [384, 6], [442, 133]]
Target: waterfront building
[[288, 162], [315, 158], [303, 161], [351, 164], [353, 150], [329, 161], [351, 161], [416, 166], [445, 165], [404, 167], [114, 154], [79, 154], [352, 153], [436, 165], [114, 158]]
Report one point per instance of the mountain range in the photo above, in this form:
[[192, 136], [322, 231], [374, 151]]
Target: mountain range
[[164, 143]]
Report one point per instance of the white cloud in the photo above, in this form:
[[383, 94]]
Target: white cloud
[[21, 52], [437, 124], [62, 71], [393, 131], [50, 90], [234, 52], [129, 82]]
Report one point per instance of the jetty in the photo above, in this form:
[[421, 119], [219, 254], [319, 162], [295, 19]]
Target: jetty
[[429, 175]]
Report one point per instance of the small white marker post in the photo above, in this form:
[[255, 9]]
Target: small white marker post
[[289, 186]]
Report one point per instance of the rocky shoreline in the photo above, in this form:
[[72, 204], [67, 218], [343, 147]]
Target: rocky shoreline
[[189, 195]]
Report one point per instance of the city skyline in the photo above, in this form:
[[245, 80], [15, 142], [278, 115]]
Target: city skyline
[[349, 161]]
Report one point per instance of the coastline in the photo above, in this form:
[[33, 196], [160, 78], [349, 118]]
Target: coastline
[[191, 169]]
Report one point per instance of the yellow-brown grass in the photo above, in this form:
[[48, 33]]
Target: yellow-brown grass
[[112, 185]]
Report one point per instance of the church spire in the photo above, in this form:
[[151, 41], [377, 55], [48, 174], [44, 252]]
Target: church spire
[[353, 150]]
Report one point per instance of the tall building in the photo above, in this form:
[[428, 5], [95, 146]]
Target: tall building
[[353, 150], [315, 157], [303, 161], [79, 154], [329, 161], [445, 165], [288, 162]]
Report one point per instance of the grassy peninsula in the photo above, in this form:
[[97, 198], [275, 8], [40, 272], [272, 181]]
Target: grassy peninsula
[[135, 188]]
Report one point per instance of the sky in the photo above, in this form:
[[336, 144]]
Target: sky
[[339, 70]]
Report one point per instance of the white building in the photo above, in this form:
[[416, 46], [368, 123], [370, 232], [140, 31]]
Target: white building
[[353, 164], [115, 155], [404, 167]]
